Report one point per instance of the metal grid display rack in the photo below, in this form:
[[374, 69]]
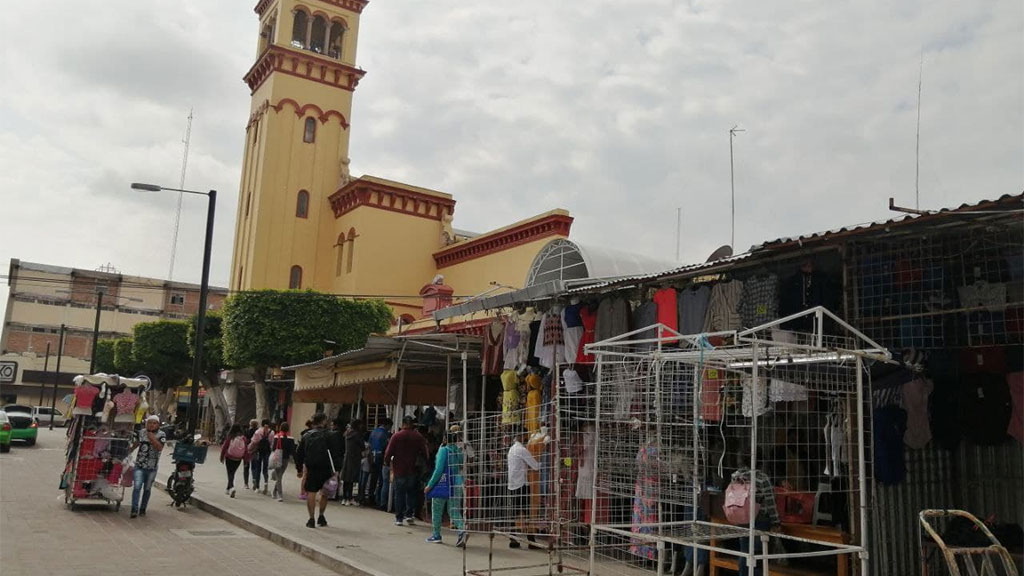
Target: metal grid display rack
[[794, 405]]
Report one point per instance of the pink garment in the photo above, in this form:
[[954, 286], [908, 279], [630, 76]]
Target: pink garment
[[125, 402], [1015, 381], [915, 402], [84, 395]]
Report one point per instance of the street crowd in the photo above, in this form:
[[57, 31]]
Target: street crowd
[[421, 463]]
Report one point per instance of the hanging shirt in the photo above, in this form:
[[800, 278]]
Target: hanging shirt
[[612, 318], [693, 307], [511, 345], [572, 333], [666, 300], [493, 354], [723, 307], [589, 319], [890, 424], [646, 315], [759, 303], [915, 401]]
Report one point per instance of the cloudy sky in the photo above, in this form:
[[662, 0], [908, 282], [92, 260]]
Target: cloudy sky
[[617, 111]]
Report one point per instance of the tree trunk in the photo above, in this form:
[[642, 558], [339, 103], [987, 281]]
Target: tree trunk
[[170, 400], [215, 393], [230, 395], [260, 387], [156, 398]]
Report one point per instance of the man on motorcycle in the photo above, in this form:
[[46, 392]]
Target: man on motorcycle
[[150, 441]]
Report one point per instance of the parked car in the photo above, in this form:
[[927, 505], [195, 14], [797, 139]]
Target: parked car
[[42, 414], [23, 423], [5, 432]]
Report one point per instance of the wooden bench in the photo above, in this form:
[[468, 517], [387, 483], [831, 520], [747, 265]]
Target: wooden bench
[[819, 533]]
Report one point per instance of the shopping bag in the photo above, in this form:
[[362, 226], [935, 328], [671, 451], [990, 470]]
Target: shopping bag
[[128, 476], [331, 487], [276, 457], [442, 489]]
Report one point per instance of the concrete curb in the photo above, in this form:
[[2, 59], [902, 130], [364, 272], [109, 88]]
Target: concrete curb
[[331, 561]]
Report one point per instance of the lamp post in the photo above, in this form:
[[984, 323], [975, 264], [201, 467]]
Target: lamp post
[[204, 289]]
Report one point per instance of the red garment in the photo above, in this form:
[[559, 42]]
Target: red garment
[[666, 300], [711, 395], [494, 349], [84, 395], [589, 318], [404, 447]]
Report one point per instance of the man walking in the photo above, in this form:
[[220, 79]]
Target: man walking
[[378, 444], [313, 458], [403, 449], [150, 441]]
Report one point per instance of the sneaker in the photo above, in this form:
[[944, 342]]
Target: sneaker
[[433, 539], [321, 521], [142, 512], [410, 521], [134, 514], [310, 523], [397, 522], [232, 492], [461, 542], [280, 499], [513, 544], [264, 490], [227, 492]]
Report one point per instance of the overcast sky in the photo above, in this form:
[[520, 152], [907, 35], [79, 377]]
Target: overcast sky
[[617, 111]]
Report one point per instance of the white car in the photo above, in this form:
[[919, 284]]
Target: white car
[[40, 413]]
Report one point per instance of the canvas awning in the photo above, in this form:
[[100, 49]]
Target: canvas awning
[[388, 370]]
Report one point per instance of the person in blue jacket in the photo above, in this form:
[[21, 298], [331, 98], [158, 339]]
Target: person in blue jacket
[[450, 460]]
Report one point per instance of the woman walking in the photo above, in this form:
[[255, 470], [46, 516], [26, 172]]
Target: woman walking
[[286, 444], [352, 461], [449, 463], [233, 451]]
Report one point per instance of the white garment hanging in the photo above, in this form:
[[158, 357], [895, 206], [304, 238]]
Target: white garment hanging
[[748, 397]]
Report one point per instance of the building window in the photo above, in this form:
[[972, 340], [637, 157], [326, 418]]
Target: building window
[[336, 42], [351, 250], [341, 255], [300, 23], [309, 134], [318, 35], [295, 278], [178, 299], [267, 35], [302, 204]]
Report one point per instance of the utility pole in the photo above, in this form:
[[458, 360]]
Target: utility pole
[[96, 329], [732, 182], [56, 376], [46, 368], [917, 151]]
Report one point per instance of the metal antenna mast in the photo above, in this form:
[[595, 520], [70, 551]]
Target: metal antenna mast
[[177, 213], [917, 153], [732, 181]]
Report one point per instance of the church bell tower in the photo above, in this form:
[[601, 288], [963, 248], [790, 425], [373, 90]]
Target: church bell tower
[[296, 140]]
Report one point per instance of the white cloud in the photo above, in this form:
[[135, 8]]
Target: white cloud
[[617, 111]]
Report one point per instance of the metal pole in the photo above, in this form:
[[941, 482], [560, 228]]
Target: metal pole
[[56, 376], [96, 331], [732, 184], [865, 568], [755, 390], [204, 289], [46, 368]]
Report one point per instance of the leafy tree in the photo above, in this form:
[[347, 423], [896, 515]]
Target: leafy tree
[[213, 363], [104, 356], [160, 350], [124, 360], [267, 328]]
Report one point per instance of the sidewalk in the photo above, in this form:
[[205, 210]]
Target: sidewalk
[[357, 541]]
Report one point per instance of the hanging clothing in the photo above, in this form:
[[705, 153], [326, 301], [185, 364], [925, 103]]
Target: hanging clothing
[[585, 477], [693, 307], [782, 391], [915, 401], [589, 319], [531, 355], [645, 503], [550, 341], [533, 400], [646, 315], [667, 301], [751, 405], [759, 303], [572, 333], [612, 318], [493, 354], [723, 307], [890, 424], [712, 381], [510, 344], [510, 397], [803, 291]]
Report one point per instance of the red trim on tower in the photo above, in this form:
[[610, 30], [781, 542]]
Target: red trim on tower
[[302, 64], [391, 198], [356, 6], [300, 111], [552, 225]]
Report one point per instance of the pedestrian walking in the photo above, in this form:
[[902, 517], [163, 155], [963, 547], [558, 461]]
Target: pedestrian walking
[[254, 425], [284, 450], [519, 459], [313, 463], [232, 453], [378, 482], [259, 446], [402, 451], [150, 441], [350, 466], [445, 487]]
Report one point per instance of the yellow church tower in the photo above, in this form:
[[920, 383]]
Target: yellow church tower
[[297, 139]]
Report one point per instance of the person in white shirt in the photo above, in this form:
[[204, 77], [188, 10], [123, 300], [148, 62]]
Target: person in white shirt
[[519, 458]]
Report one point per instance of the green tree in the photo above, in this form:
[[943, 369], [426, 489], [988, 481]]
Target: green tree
[[124, 360], [268, 328], [104, 355], [213, 363], [160, 350]]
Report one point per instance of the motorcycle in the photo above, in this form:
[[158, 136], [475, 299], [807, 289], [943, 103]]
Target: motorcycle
[[187, 453]]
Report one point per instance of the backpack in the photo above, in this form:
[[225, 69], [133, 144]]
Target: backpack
[[316, 452], [236, 449], [738, 507], [263, 446]]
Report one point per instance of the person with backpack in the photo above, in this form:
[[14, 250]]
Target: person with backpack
[[313, 463], [254, 425], [259, 446], [284, 449], [233, 451]]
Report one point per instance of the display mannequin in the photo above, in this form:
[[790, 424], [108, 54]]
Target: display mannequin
[[533, 399], [538, 479]]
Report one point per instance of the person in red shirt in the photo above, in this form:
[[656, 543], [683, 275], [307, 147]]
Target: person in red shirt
[[403, 449]]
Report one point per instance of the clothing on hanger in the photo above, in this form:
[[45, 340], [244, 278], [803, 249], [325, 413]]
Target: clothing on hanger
[[723, 307], [692, 306]]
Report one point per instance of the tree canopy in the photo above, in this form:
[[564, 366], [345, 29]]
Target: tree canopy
[[124, 360], [265, 328], [213, 348], [160, 350]]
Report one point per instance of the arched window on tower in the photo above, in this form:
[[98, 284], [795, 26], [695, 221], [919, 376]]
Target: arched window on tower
[[302, 204], [318, 35], [340, 265], [267, 35], [300, 22], [351, 250], [309, 132], [295, 278], [337, 39]]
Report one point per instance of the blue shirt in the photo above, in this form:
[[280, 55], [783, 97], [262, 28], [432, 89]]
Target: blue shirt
[[379, 439]]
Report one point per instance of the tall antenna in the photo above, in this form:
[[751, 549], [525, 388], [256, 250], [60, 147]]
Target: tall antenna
[[181, 184], [917, 154], [732, 181]]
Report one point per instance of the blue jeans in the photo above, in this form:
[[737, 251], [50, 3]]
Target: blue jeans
[[405, 496], [385, 488], [745, 547], [259, 466], [143, 484], [364, 480]]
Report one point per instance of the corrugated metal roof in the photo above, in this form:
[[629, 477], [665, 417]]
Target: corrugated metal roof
[[425, 349]]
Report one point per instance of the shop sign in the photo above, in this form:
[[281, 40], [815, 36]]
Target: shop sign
[[8, 372]]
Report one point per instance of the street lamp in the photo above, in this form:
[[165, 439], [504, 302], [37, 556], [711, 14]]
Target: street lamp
[[204, 289]]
